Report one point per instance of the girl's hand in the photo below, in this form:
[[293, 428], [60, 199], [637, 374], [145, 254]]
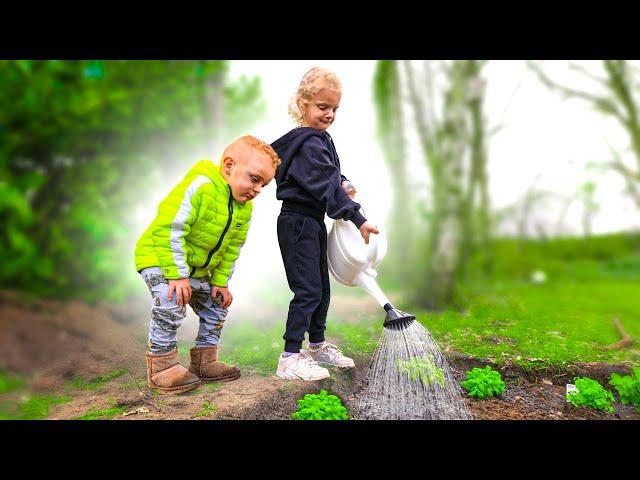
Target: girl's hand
[[348, 187], [366, 229]]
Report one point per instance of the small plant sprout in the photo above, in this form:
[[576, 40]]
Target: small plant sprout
[[483, 382], [589, 393], [207, 409], [423, 369], [321, 406], [628, 387]]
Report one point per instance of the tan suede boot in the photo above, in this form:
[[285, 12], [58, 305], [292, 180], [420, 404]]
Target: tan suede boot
[[165, 373], [205, 364]]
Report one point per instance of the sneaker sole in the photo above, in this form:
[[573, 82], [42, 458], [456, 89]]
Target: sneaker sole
[[337, 366], [293, 376]]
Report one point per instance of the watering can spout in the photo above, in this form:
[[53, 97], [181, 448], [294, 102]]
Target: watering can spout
[[371, 272], [367, 281], [397, 318]]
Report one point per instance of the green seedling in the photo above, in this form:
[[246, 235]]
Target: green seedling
[[628, 387], [483, 382], [207, 409], [321, 406], [103, 414], [423, 369], [591, 394]]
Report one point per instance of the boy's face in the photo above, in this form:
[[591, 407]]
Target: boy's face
[[320, 112], [248, 173]]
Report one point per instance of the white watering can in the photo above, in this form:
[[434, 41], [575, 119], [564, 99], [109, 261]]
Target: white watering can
[[352, 262]]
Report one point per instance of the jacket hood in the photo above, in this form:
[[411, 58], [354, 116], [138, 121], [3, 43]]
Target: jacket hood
[[288, 146]]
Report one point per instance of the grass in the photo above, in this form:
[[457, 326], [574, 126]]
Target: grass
[[97, 382], [211, 386], [554, 323], [9, 383], [207, 409], [355, 338], [30, 407], [252, 348], [17, 403], [567, 319], [256, 349], [135, 382], [105, 414], [532, 325]]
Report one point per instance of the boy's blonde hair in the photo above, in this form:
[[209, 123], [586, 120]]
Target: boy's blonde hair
[[312, 82], [255, 143]]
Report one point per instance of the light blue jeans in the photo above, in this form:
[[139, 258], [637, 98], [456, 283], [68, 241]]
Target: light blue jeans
[[167, 315]]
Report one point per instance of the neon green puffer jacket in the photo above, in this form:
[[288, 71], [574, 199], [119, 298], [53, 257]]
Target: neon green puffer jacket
[[199, 229]]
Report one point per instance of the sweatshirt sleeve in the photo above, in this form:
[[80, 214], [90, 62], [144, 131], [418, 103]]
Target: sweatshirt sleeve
[[313, 170]]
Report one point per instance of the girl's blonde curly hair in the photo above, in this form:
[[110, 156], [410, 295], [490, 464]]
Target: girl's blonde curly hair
[[312, 82]]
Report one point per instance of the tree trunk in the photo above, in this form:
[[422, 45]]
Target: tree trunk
[[390, 129]]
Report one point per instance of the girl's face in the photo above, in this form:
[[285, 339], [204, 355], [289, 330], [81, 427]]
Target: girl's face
[[320, 112]]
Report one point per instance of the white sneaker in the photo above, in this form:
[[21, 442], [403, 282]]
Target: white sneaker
[[300, 366], [329, 354]]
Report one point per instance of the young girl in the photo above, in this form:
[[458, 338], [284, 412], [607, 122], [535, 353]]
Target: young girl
[[310, 184]]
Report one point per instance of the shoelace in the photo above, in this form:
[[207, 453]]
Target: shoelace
[[337, 352], [308, 361]]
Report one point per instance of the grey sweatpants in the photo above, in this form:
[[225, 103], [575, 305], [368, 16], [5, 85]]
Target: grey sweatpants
[[167, 315]]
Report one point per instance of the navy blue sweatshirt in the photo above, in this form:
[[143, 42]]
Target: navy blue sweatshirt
[[309, 180]]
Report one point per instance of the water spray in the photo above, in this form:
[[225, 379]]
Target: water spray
[[409, 377]]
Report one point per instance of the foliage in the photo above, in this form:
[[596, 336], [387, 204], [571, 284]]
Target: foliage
[[320, 406], [628, 387], [483, 382], [423, 369], [82, 143], [10, 383], [97, 382], [207, 409], [34, 407], [103, 414], [591, 394]]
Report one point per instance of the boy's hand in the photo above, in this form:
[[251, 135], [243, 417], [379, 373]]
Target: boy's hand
[[366, 229], [224, 292], [348, 187], [182, 289]]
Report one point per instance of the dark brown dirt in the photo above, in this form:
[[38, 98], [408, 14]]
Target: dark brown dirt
[[528, 396], [52, 342]]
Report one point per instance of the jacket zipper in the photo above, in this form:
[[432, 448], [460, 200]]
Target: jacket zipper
[[224, 232]]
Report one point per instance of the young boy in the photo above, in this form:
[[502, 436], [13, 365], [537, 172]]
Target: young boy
[[187, 256], [309, 184]]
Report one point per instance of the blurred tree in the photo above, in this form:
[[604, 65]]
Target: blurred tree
[[390, 133], [81, 142], [586, 193], [454, 147], [618, 98]]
